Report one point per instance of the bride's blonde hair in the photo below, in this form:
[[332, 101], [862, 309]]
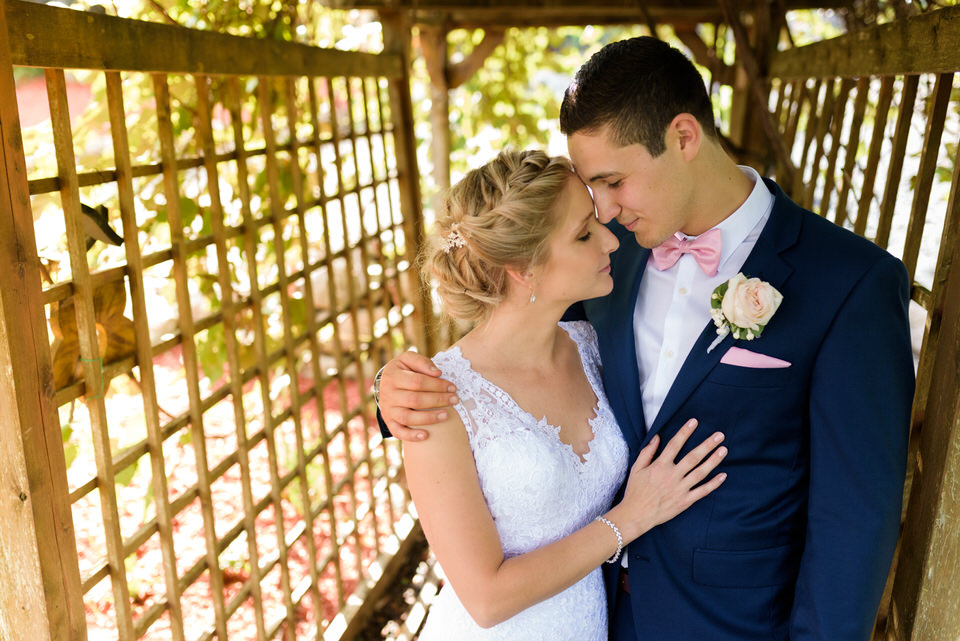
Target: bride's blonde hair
[[497, 217]]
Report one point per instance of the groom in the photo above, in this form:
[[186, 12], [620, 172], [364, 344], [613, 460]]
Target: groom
[[797, 543]]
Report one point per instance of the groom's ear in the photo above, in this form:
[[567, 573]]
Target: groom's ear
[[685, 132]]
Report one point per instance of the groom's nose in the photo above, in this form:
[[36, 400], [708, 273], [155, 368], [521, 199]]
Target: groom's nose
[[607, 208]]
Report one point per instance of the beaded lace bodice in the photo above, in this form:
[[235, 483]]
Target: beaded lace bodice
[[538, 490]]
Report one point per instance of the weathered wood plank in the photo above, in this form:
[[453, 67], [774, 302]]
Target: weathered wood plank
[[928, 43], [851, 148], [188, 330], [40, 589], [394, 217], [897, 154], [90, 356], [144, 351], [99, 41], [827, 116], [798, 98], [396, 39], [836, 131], [338, 90], [926, 591], [230, 310], [541, 5], [873, 154], [277, 214], [333, 304], [926, 172], [354, 87], [313, 331], [815, 114], [264, 95], [750, 61]]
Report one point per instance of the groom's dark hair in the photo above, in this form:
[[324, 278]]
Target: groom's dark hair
[[636, 87]]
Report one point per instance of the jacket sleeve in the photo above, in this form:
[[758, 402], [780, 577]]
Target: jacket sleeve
[[384, 430], [861, 392], [575, 312]]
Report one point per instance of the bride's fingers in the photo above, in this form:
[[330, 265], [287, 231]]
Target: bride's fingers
[[674, 445], [701, 491], [696, 455], [704, 469], [647, 453]]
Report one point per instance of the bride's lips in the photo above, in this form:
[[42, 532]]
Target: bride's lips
[[606, 270]]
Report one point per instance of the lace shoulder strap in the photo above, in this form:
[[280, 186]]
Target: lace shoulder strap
[[485, 409], [585, 336]]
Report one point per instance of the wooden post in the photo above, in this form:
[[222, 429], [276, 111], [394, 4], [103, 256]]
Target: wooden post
[[751, 124], [925, 603], [433, 41], [396, 39], [40, 593]]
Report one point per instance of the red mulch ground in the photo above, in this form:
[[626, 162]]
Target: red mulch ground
[[135, 506]]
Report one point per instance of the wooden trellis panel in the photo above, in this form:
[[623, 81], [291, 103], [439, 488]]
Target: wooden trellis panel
[[280, 198], [891, 108]]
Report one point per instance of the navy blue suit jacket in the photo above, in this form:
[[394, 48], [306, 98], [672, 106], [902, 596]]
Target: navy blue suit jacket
[[796, 544]]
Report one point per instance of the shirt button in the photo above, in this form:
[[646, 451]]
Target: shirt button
[[683, 291], [669, 354]]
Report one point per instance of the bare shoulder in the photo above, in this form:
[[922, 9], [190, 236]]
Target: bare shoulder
[[448, 444]]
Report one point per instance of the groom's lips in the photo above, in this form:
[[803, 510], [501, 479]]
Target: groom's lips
[[632, 224]]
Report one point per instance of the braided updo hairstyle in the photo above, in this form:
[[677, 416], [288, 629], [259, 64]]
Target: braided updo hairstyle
[[497, 217]]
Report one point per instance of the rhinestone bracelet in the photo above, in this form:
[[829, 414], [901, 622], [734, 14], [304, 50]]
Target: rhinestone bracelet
[[616, 531]]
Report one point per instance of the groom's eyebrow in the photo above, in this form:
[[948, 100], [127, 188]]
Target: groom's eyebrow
[[601, 176]]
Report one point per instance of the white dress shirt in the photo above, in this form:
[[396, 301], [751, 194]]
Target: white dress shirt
[[673, 305]]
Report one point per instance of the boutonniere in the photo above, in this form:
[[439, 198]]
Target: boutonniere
[[742, 306]]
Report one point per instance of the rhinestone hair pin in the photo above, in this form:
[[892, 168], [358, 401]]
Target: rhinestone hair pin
[[453, 239]]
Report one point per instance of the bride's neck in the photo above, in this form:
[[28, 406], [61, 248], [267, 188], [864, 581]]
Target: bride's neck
[[518, 337]]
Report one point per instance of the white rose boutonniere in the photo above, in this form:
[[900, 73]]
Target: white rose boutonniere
[[742, 306]]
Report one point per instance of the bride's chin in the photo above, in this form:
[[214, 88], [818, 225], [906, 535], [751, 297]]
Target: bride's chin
[[605, 286], [599, 290]]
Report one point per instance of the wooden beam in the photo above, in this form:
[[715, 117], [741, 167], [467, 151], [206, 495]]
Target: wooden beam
[[40, 593], [548, 17], [758, 88], [926, 590], [706, 56], [396, 41], [433, 44], [928, 43], [99, 41], [374, 589], [567, 6], [459, 72]]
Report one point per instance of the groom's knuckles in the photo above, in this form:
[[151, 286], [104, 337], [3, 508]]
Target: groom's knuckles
[[425, 383], [410, 417], [421, 400]]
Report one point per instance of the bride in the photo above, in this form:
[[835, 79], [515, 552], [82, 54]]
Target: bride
[[514, 489]]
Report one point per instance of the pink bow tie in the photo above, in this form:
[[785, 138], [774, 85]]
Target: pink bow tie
[[705, 249]]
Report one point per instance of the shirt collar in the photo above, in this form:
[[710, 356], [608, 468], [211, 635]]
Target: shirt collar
[[737, 226]]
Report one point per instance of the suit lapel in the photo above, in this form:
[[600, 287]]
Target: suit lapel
[[621, 356], [765, 263]]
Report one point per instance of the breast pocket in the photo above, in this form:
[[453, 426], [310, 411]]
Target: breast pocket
[[757, 377]]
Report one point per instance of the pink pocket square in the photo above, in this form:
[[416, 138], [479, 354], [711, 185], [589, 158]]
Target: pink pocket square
[[745, 358]]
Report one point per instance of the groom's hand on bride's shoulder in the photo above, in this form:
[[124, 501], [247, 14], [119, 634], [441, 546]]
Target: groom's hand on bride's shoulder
[[412, 395]]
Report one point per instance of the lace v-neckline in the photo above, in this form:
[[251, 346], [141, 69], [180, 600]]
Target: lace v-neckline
[[592, 421]]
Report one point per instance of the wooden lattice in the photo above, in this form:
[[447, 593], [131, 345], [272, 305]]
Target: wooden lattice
[[873, 122], [283, 229]]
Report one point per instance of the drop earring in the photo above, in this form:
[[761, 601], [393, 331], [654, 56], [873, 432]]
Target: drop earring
[[533, 297]]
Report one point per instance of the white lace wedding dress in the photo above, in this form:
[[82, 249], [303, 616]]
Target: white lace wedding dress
[[538, 491]]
